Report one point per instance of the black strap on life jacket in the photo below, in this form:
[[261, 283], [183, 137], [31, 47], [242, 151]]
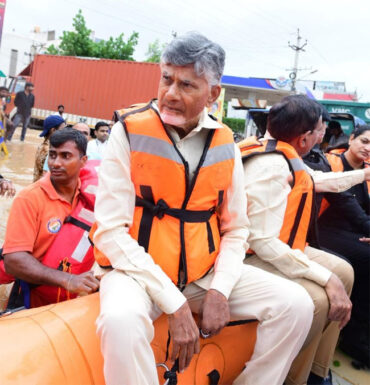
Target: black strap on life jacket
[[76, 222], [161, 208]]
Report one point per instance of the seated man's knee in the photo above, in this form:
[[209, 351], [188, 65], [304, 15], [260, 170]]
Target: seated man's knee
[[321, 303], [345, 273], [131, 323], [299, 304]]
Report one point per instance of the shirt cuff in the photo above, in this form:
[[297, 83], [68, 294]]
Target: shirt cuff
[[169, 300], [318, 273], [223, 282], [359, 176], [16, 249]]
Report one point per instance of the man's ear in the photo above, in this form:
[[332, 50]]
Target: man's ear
[[83, 160], [302, 139], [214, 94]]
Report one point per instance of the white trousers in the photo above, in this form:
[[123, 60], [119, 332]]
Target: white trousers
[[125, 325]]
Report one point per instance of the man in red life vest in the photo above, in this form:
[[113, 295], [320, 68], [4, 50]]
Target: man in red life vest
[[172, 231], [38, 215]]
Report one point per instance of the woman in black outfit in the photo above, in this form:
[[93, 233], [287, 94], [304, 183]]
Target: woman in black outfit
[[351, 238]]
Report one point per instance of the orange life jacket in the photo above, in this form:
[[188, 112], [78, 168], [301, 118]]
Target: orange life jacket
[[175, 218], [299, 210], [336, 164]]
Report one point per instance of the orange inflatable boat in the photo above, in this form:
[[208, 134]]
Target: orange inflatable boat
[[57, 345]]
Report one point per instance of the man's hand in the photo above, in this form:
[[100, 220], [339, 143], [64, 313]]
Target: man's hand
[[367, 173], [214, 313], [6, 188], [82, 284], [185, 336], [364, 239], [340, 304]]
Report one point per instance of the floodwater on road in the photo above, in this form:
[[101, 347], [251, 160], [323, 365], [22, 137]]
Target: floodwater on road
[[18, 167]]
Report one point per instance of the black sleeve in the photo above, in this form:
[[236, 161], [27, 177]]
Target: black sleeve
[[33, 101], [17, 99], [350, 210]]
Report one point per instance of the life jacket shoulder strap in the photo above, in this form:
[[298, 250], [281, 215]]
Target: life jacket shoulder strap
[[248, 144], [120, 114]]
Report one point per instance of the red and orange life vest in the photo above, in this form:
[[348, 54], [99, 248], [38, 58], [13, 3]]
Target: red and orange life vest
[[175, 218], [299, 208], [71, 251]]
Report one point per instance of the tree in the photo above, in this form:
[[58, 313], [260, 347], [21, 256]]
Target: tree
[[154, 52], [117, 48], [79, 43]]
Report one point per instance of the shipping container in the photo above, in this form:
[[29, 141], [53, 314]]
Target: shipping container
[[90, 89]]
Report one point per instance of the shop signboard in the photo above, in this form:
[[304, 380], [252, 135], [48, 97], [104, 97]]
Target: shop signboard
[[2, 13]]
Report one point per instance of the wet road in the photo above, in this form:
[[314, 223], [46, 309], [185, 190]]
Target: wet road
[[18, 167]]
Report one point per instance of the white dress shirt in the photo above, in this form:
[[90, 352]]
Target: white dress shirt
[[267, 190], [114, 209], [96, 149]]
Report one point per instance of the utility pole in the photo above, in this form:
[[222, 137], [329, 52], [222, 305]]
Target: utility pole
[[34, 50], [297, 48]]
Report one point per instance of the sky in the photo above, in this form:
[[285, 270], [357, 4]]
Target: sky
[[254, 34]]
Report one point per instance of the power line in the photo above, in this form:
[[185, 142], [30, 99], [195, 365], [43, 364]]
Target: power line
[[126, 20]]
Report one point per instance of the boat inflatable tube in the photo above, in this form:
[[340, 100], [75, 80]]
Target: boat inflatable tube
[[58, 345]]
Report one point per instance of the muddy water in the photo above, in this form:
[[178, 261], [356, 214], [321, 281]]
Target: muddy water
[[18, 167]]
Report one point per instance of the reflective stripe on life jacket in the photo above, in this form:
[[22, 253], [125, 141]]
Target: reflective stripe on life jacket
[[175, 218], [299, 209], [71, 250]]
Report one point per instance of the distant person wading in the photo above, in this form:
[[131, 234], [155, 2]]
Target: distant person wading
[[24, 101]]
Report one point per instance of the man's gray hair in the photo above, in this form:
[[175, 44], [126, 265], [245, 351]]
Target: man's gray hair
[[193, 48]]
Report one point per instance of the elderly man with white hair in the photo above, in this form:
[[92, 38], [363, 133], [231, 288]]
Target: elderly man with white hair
[[172, 230]]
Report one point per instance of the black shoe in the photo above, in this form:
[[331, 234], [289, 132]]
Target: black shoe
[[314, 379]]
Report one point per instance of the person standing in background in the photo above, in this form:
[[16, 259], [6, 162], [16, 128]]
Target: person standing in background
[[61, 110], [4, 117], [97, 146], [24, 101], [51, 124], [338, 137]]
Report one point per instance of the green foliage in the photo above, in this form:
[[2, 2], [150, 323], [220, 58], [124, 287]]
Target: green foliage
[[154, 52], [52, 50], [79, 43], [237, 125], [117, 48]]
